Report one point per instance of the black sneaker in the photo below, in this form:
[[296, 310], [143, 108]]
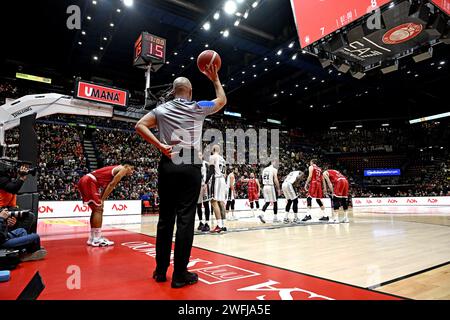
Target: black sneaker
[[224, 229], [159, 277], [306, 218], [200, 226], [324, 219], [186, 279], [206, 228]]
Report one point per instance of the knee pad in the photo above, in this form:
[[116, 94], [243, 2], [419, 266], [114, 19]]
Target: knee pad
[[309, 201], [232, 204], [295, 207], [319, 202], [336, 203], [345, 203], [251, 205]]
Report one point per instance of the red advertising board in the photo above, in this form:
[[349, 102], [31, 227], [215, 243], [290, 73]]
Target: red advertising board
[[316, 19], [100, 93]]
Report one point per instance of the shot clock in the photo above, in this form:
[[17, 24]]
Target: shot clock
[[149, 49]]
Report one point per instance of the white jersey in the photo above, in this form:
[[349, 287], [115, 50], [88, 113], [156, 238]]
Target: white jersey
[[219, 165], [268, 175], [291, 177]]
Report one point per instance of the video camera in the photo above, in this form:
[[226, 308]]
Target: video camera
[[10, 167]]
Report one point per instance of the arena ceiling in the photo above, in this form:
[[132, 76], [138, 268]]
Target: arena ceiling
[[260, 75]]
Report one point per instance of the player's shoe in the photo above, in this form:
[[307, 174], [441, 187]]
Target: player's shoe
[[224, 229], [217, 229], [200, 226], [261, 217], [345, 220], [306, 218], [296, 220], [206, 228], [286, 221], [100, 242], [324, 219]]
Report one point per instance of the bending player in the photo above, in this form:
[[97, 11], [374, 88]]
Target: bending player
[[337, 183], [314, 187], [203, 198], [89, 186], [231, 194], [218, 187], [290, 195], [270, 181], [253, 191]]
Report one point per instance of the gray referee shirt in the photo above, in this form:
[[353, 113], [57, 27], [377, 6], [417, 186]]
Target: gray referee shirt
[[180, 122]]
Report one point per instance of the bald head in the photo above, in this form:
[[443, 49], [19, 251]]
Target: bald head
[[182, 88]]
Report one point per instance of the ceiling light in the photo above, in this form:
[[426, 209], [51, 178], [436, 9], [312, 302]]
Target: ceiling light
[[206, 45], [333, 128], [238, 14], [254, 76], [279, 52], [111, 25], [255, 4], [217, 15], [88, 17], [314, 78], [80, 43], [232, 79], [207, 26], [291, 45], [265, 59], [442, 62], [246, 14], [175, 53], [118, 10], [236, 23], [192, 58], [294, 57], [189, 40], [385, 125], [282, 92], [94, 2], [243, 72], [226, 33], [101, 48], [167, 62], [83, 32], [296, 85], [323, 81], [278, 62], [95, 58], [306, 88], [254, 66], [173, 74], [230, 7], [182, 66], [275, 95], [243, 82], [105, 38], [266, 69], [128, 3], [311, 106]]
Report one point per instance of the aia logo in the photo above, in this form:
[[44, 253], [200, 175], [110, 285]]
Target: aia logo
[[82, 208], [411, 201], [358, 201], [119, 207], [45, 209], [368, 201], [432, 200], [392, 201], [379, 201]]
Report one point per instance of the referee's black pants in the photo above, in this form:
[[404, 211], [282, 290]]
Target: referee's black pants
[[179, 187]]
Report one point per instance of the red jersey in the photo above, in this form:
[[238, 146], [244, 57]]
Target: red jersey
[[104, 175], [316, 174], [334, 176], [252, 186]]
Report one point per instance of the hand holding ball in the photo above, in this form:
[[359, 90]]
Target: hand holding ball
[[209, 63]]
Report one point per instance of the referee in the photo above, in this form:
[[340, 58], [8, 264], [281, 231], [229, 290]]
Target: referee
[[179, 184]]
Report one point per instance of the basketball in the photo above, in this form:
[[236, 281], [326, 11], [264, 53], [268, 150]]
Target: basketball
[[208, 57]]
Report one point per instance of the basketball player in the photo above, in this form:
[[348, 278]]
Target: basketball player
[[314, 187], [337, 184], [203, 198], [217, 170], [106, 179], [290, 195], [270, 181], [179, 183], [231, 194], [253, 191]]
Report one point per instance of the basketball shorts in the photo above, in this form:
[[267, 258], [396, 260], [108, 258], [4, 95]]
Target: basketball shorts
[[341, 188], [315, 190], [89, 191], [219, 189], [289, 191], [253, 196], [269, 194]]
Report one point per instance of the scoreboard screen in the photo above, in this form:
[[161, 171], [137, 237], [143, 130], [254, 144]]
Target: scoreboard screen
[[443, 4], [316, 19]]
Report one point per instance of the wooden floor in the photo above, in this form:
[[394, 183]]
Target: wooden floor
[[375, 248]]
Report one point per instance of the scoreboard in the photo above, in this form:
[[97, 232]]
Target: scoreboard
[[149, 49], [316, 19]]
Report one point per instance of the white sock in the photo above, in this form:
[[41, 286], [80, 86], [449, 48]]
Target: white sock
[[308, 211], [96, 233], [220, 223], [295, 215], [286, 215], [346, 214]]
